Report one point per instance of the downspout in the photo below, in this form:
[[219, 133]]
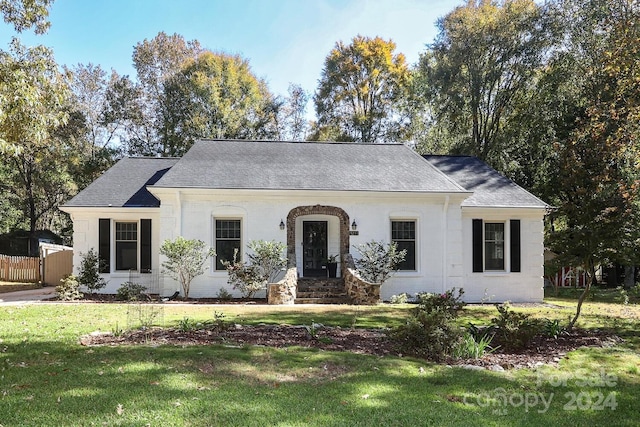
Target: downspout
[[445, 234]]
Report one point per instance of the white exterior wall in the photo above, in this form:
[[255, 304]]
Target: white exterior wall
[[500, 286], [443, 234], [86, 236], [192, 214]]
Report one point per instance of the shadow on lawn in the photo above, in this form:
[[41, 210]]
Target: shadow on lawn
[[49, 383]]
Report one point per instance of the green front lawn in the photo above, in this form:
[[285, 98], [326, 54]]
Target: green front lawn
[[47, 378]]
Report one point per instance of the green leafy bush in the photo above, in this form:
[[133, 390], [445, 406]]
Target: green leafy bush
[[130, 291], [553, 328], [378, 261], [69, 289], [514, 330], [266, 261], [89, 272], [403, 298], [470, 347], [224, 295], [185, 260], [187, 325], [447, 302], [244, 277], [431, 331]]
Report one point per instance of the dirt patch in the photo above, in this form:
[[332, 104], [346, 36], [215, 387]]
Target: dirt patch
[[542, 350], [14, 287], [154, 298]]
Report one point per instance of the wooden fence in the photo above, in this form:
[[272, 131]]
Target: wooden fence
[[56, 266], [19, 269]]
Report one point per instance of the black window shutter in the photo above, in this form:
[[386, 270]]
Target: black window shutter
[[145, 246], [478, 264], [104, 244], [515, 246]]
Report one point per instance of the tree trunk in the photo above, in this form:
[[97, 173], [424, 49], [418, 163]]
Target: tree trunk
[[587, 287], [629, 276]]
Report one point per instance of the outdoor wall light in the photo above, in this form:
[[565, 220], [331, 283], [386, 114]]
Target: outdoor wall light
[[281, 225], [354, 226]]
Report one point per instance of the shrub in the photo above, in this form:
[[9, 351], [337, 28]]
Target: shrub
[[470, 347], [244, 277], [224, 295], [553, 328], [378, 261], [431, 331], [185, 260], [69, 289], [130, 291], [514, 330], [268, 257], [89, 272], [266, 262], [188, 325], [403, 298], [447, 302]]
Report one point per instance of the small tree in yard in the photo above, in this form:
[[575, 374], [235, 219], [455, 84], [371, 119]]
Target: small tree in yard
[[268, 257], [243, 276], [185, 260], [378, 261], [266, 262], [89, 272]]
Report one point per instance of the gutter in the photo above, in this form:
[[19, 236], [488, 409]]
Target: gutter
[[445, 221]]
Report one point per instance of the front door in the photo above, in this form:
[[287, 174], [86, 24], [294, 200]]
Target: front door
[[314, 248]]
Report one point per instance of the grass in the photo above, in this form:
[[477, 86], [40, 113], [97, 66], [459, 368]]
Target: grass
[[47, 378]]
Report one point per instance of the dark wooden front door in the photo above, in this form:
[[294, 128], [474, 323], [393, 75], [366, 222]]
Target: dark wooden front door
[[314, 248]]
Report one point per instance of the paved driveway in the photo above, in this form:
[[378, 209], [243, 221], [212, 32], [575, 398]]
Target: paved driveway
[[26, 297]]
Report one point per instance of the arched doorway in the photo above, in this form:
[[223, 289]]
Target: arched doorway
[[294, 213]]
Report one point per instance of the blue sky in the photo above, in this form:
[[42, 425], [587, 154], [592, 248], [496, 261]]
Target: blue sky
[[284, 40]]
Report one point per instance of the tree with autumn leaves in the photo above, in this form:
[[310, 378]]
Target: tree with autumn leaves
[[598, 216], [360, 90]]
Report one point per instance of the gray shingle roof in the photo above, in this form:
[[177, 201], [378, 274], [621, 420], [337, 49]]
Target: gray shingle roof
[[124, 185], [490, 188], [224, 164]]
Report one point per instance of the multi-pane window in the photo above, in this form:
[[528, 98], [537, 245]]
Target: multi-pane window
[[126, 246], [227, 241], [494, 246], [403, 233]]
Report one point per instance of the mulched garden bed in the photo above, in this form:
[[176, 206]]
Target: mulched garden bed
[[362, 341]]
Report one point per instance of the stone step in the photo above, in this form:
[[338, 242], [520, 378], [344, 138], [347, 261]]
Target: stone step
[[322, 294], [322, 301], [320, 288], [323, 280], [320, 284]]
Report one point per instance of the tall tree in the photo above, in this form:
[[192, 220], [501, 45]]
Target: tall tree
[[484, 59], [292, 120], [217, 96], [96, 134], [359, 89], [32, 96], [157, 61], [25, 14], [598, 220]]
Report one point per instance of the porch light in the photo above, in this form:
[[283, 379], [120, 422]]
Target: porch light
[[354, 226], [281, 225]]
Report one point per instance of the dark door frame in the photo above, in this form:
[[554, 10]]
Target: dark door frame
[[314, 248]]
